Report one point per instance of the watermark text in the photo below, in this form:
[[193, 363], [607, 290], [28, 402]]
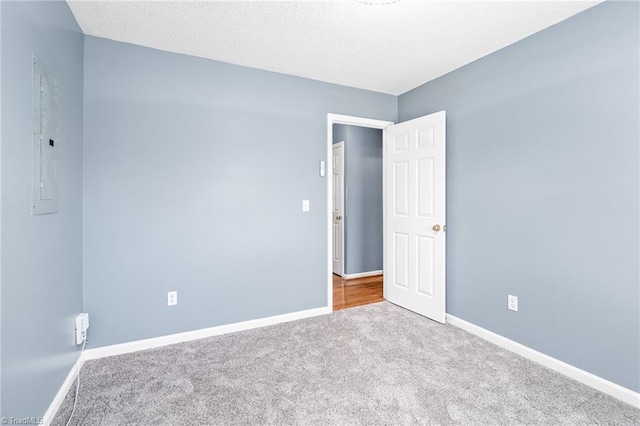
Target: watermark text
[[22, 420]]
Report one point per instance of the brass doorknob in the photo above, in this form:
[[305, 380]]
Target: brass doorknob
[[436, 227], [338, 217]]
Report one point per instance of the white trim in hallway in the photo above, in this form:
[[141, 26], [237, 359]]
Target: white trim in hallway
[[361, 275]]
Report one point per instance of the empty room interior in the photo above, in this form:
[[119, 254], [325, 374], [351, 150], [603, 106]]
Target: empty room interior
[[193, 229]]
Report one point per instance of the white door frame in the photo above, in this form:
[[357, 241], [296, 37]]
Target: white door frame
[[341, 143], [352, 121]]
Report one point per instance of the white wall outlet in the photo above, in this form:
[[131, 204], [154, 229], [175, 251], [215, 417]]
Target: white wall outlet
[[512, 303], [172, 298], [305, 205], [82, 324]]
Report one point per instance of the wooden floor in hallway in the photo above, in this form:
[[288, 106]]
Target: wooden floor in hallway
[[356, 291]]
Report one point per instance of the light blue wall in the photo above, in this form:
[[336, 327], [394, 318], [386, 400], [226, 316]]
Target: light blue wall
[[542, 190], [41, 255], [363, 197], [195, 172]]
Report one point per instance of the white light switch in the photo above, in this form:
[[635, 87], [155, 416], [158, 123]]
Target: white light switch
[[322, 168], [305, 205]]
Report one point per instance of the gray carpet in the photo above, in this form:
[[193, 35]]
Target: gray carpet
[[375, 364]]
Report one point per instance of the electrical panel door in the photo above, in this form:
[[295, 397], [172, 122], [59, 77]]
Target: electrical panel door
[[45, 140]]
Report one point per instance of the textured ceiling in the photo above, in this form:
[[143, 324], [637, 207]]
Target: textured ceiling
[[389, 48]]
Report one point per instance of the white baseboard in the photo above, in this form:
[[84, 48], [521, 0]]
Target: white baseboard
[[62, 392], [361, 275], [140, 345], [589, 379], [171, 339], [584, 377]]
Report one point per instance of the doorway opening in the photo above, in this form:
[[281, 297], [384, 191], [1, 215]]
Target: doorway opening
[[361, 281]]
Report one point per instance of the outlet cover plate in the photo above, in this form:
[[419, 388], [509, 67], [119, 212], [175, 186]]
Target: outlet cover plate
[[172, 298], [512, 303]]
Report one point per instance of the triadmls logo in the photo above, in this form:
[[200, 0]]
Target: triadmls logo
[[22, 420]]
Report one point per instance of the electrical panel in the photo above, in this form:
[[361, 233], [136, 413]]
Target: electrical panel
[[45, 140]]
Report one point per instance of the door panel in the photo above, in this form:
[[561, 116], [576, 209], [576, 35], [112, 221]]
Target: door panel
[[337, 170], [401, 260], [415, 259], [425, 276], [425, 194], [401, 193]]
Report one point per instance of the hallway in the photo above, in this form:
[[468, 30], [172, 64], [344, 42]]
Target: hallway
[[356, 292]]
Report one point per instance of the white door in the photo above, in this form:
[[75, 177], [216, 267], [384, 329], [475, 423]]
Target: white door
[[414, 271], [338, 207]]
